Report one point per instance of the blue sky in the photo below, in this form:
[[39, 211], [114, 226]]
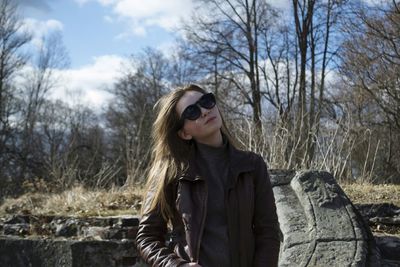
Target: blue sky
[[93, 28], [99, 35]]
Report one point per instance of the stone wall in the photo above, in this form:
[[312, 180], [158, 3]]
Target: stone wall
[[48, 241], [20, 252]]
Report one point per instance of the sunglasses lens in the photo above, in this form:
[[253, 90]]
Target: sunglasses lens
[[192, 112], [207, 101]]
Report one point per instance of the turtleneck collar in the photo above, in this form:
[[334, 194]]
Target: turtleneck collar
[[212, 152]]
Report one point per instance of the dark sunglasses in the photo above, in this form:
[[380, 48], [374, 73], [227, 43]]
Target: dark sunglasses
[[193, 112]]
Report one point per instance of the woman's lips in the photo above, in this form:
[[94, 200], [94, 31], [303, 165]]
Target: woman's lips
[[210, 119]]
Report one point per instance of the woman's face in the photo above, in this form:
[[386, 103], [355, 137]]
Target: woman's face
[[204, 128]]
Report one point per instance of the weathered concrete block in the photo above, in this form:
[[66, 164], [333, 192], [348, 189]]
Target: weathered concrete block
[[103, 253], [18, 252], [320, 226], [24, 252]]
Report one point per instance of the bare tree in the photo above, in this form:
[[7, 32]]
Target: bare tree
[[182, 70], [303, 12], [12, 40], [315, 23], [371, 67], [11, 58], [226, 40], [279, 68], [325, 40], [130, 115], [38, 83], [69, 146]]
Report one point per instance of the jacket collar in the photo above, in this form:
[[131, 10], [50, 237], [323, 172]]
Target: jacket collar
[[240, 162]]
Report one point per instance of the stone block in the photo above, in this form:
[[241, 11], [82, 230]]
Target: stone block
[[319, 224]]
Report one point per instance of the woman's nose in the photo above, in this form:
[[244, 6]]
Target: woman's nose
[[204, 111]]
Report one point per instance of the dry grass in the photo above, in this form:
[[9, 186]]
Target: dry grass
[[370, 193], [375, 194], [77, 201]]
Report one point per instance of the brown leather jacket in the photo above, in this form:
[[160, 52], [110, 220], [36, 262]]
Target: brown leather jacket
[[251, 214]]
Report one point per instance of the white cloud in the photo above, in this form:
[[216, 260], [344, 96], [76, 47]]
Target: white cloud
[[167, 48], [139, 10], [140, 15], [139, 31], [39, 29], [165, 14], [107, 2], [90, 82]]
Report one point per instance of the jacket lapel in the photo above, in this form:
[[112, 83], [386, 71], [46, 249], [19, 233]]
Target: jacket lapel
[[240, 162]]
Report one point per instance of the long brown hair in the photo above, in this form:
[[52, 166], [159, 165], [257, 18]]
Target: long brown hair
[[170, 152]]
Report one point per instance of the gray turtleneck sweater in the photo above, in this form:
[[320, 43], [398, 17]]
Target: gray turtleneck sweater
[[214, 249]]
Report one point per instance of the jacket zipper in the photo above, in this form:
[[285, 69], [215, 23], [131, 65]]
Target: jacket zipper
[[202, 222]]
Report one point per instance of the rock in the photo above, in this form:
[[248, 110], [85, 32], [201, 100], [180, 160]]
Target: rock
[[67, 229], [18, 252], [24, 252], [109, 233], [94, 231], [128, 221], [389, 246], [319, 224], [378, 210], [281, 177], [383, 217], [386, 220], [24, 219], [20, 229]]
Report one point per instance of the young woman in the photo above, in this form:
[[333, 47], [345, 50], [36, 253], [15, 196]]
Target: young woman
[[217, 200]]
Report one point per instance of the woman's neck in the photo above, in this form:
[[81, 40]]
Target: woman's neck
[[215, 140]]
